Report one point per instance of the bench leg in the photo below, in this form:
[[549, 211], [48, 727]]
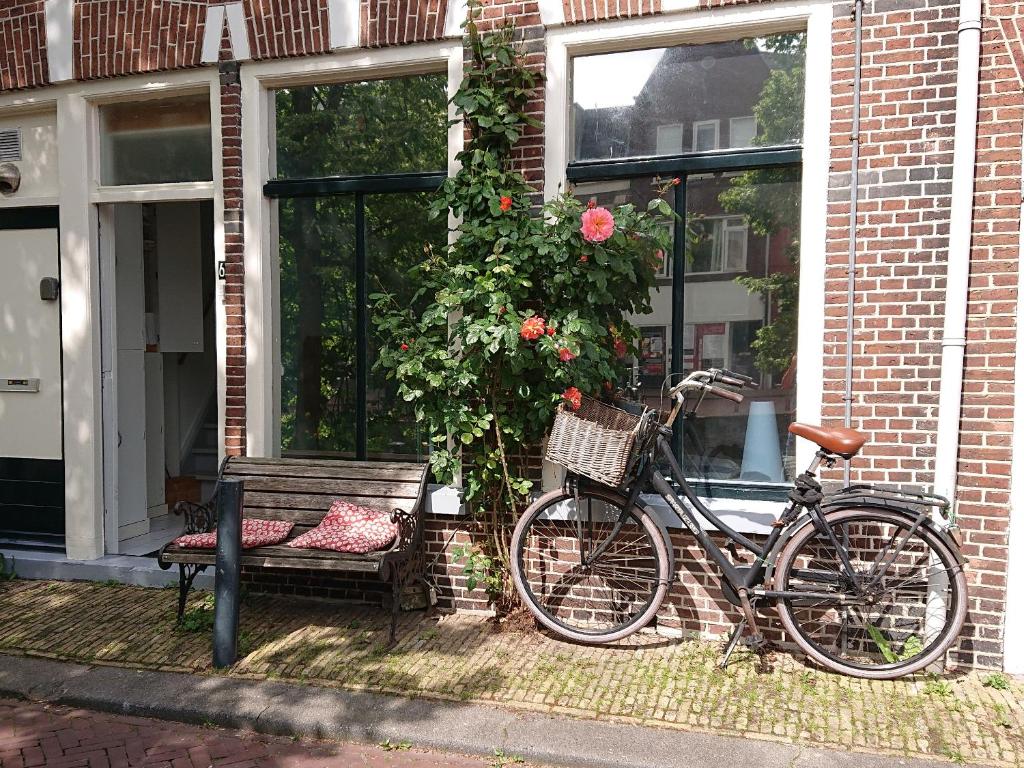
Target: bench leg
[[396, 595], [185, 584]]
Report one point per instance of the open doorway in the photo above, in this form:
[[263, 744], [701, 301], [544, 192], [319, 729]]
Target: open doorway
[[160, 370]]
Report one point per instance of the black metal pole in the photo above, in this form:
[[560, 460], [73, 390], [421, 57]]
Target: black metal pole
[[229, 573]]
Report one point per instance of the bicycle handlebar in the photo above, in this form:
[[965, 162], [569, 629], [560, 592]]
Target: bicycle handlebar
[[706, 380], [728, 394]]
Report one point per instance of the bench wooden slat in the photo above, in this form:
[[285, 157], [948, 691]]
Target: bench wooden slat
[[314, 502], [310, 485], [383, 466], [243, 471]]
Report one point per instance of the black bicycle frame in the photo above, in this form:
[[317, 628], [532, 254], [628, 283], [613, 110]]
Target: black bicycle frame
[[739, 578]]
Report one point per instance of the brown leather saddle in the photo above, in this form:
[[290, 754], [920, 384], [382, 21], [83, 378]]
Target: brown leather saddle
[[839, 440]]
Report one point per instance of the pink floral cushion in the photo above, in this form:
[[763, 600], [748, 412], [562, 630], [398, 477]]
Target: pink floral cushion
[[349, 528], [255, 533], [345, 513]]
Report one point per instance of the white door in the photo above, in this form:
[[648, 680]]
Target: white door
[[30, 370]]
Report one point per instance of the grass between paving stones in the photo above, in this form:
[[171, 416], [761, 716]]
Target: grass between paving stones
[[648, 679]]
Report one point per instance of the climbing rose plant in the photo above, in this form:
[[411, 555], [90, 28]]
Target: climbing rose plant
[[525, 309]]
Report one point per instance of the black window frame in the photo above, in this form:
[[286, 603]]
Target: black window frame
[[358, 186]]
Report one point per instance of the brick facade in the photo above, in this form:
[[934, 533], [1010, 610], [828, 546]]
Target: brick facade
[[908, 94], [397, 22], [22, 45]]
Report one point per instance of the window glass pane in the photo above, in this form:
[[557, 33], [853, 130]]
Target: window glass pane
[[705, 136], [742, 131], [397, 232], [150, 142], [318, 325], [377, 126], [741, 258], [621, 100], [739, 324]]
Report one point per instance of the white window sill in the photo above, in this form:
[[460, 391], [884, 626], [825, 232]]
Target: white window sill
[[743, 515]]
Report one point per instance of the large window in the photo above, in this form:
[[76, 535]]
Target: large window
[[355, 175], [725, 119]]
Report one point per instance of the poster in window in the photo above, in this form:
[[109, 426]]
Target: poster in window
[[710, 344], [652, 353]]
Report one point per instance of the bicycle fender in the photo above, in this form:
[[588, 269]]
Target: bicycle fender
[[805, 519]]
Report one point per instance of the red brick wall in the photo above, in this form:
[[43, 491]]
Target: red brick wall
[[396, 22], [987, 413], [281, 28], [120, 37], [577, 11], [22, 44], [903, 227]]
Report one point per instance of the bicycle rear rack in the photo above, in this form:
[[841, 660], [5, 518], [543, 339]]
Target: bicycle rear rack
[[868, 494]]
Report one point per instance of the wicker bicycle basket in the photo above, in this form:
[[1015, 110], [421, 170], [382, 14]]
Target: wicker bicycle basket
[[596, 440]]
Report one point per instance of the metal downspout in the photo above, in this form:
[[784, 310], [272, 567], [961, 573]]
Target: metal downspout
[[851, 263], [961, 216]]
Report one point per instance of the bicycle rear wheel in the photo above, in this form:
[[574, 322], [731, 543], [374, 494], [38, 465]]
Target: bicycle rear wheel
[[910, 606], [581, 575]]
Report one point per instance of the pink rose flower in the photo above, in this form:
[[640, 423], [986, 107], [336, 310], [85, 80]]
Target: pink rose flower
[[532, 328], [574, 397], [565, 354], [598, 224]]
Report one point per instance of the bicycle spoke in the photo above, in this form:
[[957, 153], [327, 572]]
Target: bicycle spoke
[[892, 621]]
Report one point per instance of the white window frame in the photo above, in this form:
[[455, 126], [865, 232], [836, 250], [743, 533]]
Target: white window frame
[[697, 125], [732, 122], [262, 279], [719, 244], [729, 23], [678, 127]]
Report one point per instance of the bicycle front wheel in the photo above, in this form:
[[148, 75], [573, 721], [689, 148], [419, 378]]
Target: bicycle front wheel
[[892, 597], [584, 574]]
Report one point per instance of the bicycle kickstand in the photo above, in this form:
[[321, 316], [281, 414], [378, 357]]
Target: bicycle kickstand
[[734, 640]]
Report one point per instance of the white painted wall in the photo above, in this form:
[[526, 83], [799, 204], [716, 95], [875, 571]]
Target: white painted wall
[[30, 422], [38, 165]]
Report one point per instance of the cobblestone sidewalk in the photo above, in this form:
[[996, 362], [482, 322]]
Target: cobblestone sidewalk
[[60, 737], [650, 680]]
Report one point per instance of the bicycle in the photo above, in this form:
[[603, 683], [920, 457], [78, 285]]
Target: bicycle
[[868, 581]]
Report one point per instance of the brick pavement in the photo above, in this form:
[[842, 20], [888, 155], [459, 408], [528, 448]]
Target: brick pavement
[[60, 737], [650, 680]]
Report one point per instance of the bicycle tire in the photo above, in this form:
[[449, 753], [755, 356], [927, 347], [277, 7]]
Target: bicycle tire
[[525, 579], [892, 666]]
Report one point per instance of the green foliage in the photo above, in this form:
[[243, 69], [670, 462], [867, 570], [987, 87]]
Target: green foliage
[[7, 572], [769, 198], [486, 393], [391, 746], [354, 128], [938, 687], [479, 569], [198, 617], [997, 681]]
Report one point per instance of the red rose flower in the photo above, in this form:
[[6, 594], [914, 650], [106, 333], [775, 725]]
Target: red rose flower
[[405, 347], [584, 259], [551, 330], [676, 181], [620, 348], [506, 202], [532, 328], [565, 354], [591, 203], [607, 386], [574, 397]]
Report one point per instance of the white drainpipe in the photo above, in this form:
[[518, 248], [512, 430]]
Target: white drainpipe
[[960, 222], [954, 331]]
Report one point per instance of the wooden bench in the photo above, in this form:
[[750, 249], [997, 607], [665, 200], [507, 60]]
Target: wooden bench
[[302, 491]]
